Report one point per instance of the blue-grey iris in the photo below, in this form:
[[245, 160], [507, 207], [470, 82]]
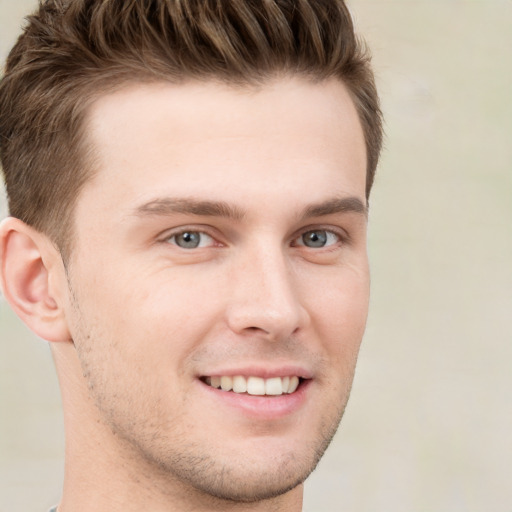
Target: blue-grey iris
[[188, 239], [315, 238]]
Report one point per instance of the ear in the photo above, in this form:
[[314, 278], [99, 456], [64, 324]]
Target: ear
[[32, 277]]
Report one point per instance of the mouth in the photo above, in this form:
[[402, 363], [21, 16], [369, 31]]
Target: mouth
[[256, 386]]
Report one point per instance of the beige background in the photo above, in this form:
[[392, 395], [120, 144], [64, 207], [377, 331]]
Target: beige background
[[429, 426]]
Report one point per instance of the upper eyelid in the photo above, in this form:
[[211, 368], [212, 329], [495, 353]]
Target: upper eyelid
[[171, 232], [342, 233], [178, 233], [340, 240]]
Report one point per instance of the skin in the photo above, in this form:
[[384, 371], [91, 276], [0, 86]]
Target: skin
[[137, 321]]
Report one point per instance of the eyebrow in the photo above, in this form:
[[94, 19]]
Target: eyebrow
[[166, 206], [349, 204]]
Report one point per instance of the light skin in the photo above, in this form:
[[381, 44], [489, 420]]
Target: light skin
[[222, 234]]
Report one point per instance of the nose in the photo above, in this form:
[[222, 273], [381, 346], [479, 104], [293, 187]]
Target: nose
[[265, 299]]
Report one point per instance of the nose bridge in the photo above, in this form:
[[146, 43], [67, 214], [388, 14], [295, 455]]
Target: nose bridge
[[265, 296]]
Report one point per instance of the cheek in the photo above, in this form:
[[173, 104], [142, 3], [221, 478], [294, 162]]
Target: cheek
[[140, 317], [339, 311], [160, 319], [341, 297]]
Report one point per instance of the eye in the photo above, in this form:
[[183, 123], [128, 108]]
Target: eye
[[191, 240], [317, 238]]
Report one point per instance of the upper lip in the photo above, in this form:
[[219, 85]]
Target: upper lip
[[264, 372]]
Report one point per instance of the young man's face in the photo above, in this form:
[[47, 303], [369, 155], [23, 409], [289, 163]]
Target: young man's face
[[223, 237]]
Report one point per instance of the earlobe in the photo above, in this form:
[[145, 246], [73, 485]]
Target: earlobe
[[26, 260]]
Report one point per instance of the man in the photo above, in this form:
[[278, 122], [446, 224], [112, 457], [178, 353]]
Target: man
[[188, 186]]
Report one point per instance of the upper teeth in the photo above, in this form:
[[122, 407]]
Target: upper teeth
[[255, 385]]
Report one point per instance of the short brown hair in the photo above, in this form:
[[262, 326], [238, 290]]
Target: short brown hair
[[73, 51]]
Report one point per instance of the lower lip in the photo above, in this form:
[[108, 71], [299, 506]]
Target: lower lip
[[261, 406]]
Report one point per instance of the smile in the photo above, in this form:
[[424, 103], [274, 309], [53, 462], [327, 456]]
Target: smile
[[273, 386]]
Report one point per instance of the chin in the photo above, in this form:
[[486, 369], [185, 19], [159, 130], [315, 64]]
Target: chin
[[245, 484], [261, 472]]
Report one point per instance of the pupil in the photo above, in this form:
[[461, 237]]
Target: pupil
[[188, 240], [315, 238]]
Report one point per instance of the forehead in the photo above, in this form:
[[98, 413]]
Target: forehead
[[213, 139]]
